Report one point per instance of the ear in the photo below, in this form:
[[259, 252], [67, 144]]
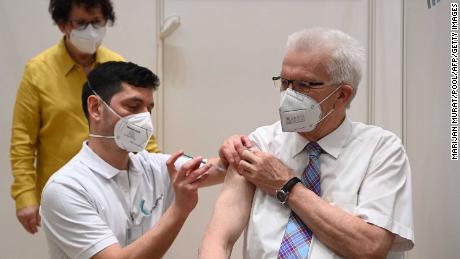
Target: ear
[[61, 26], [94, 108], [345, 95]]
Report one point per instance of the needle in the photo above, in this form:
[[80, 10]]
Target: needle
[[205, 161]]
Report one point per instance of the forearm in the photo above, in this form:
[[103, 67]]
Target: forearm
[[152, 244], [22, 157], [343, 233], [24, 197], [157, 241], [23, 188], [24, 137]]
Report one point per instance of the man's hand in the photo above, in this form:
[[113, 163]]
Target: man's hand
[[186, 181], [29, 218], [231, 149], [264, 170]]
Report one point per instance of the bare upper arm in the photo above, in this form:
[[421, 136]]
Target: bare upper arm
[[110, 252], [234, 204], [230, 216]]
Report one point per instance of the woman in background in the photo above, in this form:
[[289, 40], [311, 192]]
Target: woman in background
[[48, 122]]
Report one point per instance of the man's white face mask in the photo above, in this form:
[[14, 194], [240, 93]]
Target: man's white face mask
[[299, 112], [132, 132], [87, 40]]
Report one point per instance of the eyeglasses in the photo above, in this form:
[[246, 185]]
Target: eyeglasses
[[283, 84], [82, 24]]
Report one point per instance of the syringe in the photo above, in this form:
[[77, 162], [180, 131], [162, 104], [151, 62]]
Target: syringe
[[205, 161]]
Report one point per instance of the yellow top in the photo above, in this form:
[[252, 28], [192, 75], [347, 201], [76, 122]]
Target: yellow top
[[49, 125]]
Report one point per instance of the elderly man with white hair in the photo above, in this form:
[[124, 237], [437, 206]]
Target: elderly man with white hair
[[315, 184]]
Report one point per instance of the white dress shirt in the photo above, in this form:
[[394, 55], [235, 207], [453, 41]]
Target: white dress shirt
[[364, 171], [88, 205]]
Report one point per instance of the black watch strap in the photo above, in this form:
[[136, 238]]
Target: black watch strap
[[290, 184]]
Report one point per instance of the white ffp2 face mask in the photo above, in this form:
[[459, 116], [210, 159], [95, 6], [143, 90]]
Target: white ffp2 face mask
[[87, 40], [132, 132], [299, 112]]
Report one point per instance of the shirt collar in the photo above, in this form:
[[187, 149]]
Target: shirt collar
[[299, 143], [67, 63], [331, 143], [96, 163], [65, 60]]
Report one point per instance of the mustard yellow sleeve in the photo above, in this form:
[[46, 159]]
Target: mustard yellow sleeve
[[152, 146], [24, 132]]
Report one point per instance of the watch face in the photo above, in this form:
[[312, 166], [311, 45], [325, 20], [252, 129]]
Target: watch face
[[281, 196]]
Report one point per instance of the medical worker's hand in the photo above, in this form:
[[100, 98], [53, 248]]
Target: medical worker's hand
[[264, 170], [29, 218], [186, 181], [232, 148]]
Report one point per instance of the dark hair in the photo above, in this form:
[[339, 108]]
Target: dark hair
[[60, 9], [106, 80]]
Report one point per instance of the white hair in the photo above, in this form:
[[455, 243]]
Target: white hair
[[346, 55]]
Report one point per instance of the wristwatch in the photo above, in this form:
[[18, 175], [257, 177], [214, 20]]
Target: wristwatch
[[283, 193]]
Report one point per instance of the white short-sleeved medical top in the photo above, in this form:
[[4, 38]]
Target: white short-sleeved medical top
[[88, 205], [364, 171]]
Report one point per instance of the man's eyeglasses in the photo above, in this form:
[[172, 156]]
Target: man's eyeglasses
[[283, 84], [82, 24]]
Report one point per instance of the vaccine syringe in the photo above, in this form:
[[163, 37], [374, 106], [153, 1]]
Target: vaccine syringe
[[205, 161]]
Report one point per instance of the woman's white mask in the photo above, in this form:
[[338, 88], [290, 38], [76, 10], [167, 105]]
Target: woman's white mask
[[87, 40], [132, 132], [299, 112]]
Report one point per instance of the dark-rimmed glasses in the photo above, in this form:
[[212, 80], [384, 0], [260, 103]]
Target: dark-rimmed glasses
[[82, 24], [283, 84]]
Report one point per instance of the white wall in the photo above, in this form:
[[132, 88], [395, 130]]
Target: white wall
[[26, 29], [435, 178], [25, 32]]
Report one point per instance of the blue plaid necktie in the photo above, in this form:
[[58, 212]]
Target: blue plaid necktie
[[297, 236]]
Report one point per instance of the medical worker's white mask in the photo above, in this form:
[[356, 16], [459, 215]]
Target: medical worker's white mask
[[299, 112], [87, 40], [132, 132]]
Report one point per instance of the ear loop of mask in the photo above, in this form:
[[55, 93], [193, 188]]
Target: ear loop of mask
[[100, 98], [331, 111]]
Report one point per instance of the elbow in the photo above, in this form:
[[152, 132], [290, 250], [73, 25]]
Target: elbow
[[210, 249], [371, 252], [374, 249], [213, 253]]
